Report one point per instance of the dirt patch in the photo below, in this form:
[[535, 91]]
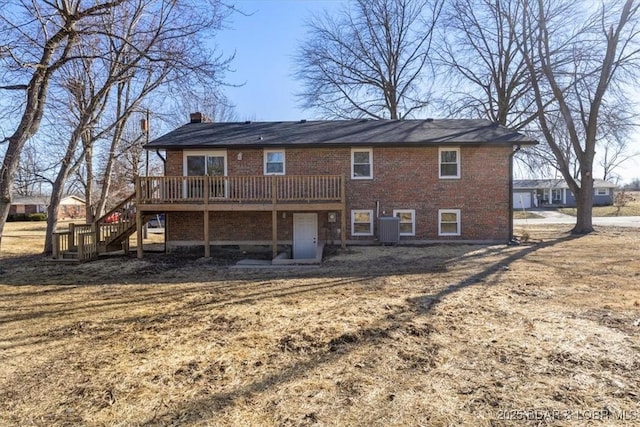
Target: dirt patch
[[545, 333]]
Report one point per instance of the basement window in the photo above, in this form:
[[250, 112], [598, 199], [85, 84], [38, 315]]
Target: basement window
[[362, 223], [449, 222]]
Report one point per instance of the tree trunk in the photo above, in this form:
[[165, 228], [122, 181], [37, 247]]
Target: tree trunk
[[56, 192], [584, 204], [87, 140]]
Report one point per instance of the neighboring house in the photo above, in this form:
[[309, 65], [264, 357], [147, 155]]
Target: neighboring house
[[297, 183], [532, 193], [71, 207]]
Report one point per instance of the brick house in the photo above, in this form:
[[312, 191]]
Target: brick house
[[299, 183], [71, 207]]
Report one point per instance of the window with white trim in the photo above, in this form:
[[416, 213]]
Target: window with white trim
[[361, 163], [602, 191], [274, 162], [449, 222], [407, 221], [449, 163], [362, 222]]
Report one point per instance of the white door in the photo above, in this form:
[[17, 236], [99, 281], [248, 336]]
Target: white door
[[521, 200], [305, 235]]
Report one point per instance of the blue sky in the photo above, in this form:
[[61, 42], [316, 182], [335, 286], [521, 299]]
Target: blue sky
[[264, 44]]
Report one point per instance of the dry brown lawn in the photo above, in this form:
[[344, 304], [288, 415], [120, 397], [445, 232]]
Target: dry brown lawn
[[546, 333]]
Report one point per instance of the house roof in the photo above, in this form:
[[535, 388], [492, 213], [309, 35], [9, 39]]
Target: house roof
[[44, 200], [339, 132], [533, 184]]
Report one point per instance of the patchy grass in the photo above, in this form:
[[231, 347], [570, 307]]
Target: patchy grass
[[523, 214], [437, 335], [27, 237]]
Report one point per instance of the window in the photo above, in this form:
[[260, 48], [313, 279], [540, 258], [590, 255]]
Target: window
[[205, 163], [361, 163], [407, 221], [449, 163], [556, 195], [602, 191], [362, 223], [274, 162], [449, 222]]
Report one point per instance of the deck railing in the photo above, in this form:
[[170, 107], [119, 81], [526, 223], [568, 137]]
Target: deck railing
[[243, 189]]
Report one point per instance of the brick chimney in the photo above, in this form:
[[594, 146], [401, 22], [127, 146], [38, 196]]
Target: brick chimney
[[198, 117]]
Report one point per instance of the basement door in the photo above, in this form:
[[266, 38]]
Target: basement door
[[305, 235]]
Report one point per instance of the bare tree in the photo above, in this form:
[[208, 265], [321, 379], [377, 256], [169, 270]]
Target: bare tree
[[31, 174], [370, 60], [490, 78], [39, 44], [140, 49], [584, 65]]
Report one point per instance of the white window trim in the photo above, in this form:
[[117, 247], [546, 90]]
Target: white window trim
[[605, 192], [359, 150], [413, 220], [353, 222], [458, 163], [214, 153], [284, 161], [459, 222]]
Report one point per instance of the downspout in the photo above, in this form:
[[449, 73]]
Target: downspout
[[512, 240], [160, 155]]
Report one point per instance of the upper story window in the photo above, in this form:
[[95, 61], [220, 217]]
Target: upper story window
[[449, 163], [201, 163], [274, 162], [361, 163]]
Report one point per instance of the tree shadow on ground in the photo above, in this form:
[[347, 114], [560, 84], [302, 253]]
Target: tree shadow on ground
[[377, 333]]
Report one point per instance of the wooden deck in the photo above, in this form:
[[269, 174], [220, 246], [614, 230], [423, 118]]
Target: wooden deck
[[207, 194], [199, 193]]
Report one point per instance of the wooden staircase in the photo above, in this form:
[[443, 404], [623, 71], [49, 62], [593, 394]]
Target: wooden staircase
[[111, 232]]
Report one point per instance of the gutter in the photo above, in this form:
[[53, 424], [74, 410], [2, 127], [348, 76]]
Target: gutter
[[512, 240]]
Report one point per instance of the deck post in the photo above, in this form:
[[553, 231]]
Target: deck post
[[274, 217], [81, 254], [274, 236], [205, 215], [343, 213], [56, 245], [72, 236], [139, 236]]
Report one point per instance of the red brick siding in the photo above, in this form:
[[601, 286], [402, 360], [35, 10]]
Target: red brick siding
[[236, 226], [403, 178]]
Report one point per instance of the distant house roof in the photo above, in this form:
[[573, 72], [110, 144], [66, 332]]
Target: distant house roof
[[30, 200], [533, 184], [339, 132], [44, 200]]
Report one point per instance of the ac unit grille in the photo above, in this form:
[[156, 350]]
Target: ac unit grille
[[389, 229]]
